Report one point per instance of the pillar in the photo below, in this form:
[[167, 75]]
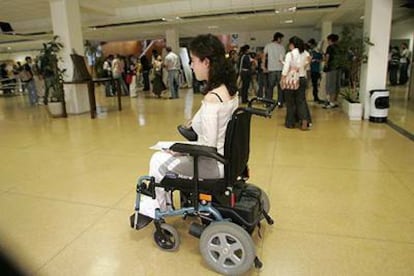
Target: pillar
[[377, 27], [66, 21], [326, 29], [172, 40]]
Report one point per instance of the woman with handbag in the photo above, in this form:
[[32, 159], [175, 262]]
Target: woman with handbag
[[293, 83]]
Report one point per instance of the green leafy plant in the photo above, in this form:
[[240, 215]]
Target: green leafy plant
[[352, 48], [49, 67], [349, 94]]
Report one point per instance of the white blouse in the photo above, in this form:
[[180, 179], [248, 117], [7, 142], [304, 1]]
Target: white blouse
[[210, 123], [300, 60]]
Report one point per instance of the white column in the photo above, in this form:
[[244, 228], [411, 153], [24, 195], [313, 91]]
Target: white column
[[326, 29], [66, 21], [172, 40], [377, 27]]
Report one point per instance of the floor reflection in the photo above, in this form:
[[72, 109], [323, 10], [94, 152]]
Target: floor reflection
[[401, 111]]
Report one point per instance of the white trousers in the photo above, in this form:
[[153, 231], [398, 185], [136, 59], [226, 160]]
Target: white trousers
[[164, 162]]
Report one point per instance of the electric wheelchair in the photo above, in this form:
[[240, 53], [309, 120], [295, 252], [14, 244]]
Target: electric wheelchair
[[229, 209]]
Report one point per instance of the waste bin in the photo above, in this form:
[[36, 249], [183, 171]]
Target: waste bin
[[379, 105]]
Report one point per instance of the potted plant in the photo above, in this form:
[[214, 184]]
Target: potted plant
[[351, 104], [352, 48], [53, 76]]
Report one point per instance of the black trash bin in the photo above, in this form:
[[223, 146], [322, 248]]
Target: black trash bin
[[379, 105]]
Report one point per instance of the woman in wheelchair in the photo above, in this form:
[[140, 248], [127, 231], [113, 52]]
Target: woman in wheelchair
[[220, 100], [226, 218]]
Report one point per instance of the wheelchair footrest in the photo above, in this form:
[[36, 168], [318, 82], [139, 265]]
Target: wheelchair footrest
[[142, 221]]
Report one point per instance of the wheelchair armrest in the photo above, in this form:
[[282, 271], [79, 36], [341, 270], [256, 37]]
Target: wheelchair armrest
[[198, 150]]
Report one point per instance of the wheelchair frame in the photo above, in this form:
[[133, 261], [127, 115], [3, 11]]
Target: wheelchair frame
[[226, 246]]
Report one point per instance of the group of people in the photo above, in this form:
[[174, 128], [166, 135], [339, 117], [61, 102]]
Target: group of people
[[132, 71], [398, 62], [271, 66], [22, 77], [123, 70]]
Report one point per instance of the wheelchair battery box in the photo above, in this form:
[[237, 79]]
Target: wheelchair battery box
[[248, 204]]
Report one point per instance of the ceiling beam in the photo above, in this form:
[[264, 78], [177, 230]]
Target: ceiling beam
[[94, 8]]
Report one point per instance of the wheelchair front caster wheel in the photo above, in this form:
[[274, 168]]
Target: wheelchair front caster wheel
[[167, 237], [227, 248]]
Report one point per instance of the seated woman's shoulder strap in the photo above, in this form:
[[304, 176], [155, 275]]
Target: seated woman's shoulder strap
[[218, 96]]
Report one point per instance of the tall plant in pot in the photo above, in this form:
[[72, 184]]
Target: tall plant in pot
[[53, 76], [352, 48]]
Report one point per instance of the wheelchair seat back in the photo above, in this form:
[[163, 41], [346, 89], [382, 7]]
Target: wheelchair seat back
[[237, 145]]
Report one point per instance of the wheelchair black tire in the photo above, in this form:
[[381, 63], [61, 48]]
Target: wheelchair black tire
[[168, 240], [224, 237]]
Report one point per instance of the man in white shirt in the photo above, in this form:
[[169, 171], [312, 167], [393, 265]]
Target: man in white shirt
[[173, 65], [275, 53]]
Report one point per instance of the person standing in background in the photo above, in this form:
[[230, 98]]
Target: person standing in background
[[107, 69], [29, 80], [245, 72], [261, 75], [145, 69], [393, 65], [275, 53], [117, 70], [332, 71], [296, 106], [315, 68], [404, 63], [173, 65]]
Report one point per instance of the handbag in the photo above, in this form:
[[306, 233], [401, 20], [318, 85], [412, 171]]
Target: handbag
[[291, 80]]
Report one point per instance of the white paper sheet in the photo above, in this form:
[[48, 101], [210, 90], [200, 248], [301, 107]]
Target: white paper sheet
[[165, 145]]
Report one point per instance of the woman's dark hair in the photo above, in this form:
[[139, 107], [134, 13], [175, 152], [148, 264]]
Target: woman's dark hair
[[297, 43], [221, 70]]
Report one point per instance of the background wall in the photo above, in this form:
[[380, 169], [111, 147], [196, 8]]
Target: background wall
[[19, 56], [404, 30]]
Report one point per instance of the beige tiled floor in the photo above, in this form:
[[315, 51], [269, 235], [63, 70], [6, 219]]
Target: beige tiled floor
[[342, 194]]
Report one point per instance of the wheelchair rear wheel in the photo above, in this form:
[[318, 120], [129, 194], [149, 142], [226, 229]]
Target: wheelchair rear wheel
[[227, 248], [167, 239]]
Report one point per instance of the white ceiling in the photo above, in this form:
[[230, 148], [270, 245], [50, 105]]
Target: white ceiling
[[216, 16]]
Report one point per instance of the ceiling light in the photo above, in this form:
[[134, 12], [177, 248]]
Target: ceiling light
[[362, 17], [213, 27], [164, 19], [285, 9], [289, 21]]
